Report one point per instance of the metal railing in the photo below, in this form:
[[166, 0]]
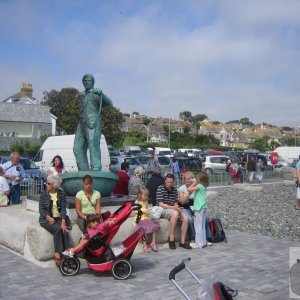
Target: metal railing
[[221, 179], [35, 186]]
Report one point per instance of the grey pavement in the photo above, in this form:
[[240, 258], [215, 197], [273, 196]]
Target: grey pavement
[[257, 266]]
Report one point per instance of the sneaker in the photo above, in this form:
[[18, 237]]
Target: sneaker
[[208, 243], [195, 246], [68, 252], [185, 245], [172, 245]]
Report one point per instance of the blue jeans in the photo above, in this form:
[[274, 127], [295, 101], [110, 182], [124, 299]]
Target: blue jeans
[[15, 192], [200, 218], [191, 228]]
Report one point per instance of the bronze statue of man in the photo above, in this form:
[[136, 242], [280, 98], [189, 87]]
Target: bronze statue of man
[[88, 130]]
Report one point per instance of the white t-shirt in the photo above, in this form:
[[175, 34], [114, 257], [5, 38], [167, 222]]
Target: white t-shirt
[[55, 173], [3, 184]]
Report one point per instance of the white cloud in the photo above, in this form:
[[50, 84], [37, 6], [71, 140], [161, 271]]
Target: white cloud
[[226, 60]]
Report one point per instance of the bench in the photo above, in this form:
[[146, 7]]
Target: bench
[[23, 234]]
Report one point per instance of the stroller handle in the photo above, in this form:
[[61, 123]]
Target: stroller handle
[[178, 268], [136, 206]]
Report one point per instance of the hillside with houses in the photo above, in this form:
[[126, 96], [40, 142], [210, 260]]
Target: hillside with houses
[[23, 117]]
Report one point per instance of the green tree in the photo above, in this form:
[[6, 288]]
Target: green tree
[[111, 122], [64, 104], [186, 116], [199, 118], [261, 144], [146, 121], [246, 121]]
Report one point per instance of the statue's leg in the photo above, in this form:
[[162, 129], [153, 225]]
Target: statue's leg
[[94, 136], [80, 148]]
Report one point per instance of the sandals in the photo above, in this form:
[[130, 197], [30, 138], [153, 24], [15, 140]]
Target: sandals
[[146, 249], [154, 248], [57, 260], [172, 245]]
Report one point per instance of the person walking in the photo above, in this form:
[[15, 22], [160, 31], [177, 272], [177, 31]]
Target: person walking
[[251, 168]]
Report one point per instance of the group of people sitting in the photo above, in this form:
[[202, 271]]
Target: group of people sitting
[[176, 204], [187, 205]]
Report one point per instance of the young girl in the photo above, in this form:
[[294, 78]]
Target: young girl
[[146, 223], [200, 186], [93, 227]]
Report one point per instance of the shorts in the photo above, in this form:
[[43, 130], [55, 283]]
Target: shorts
[[167, 213]]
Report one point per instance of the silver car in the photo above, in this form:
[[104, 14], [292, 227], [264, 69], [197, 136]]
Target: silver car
[[115, 163], [215, 164]]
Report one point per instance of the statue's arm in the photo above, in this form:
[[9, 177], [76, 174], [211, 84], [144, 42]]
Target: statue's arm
[[105, 100]]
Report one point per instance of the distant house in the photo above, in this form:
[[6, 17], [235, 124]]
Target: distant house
[[22, 118]]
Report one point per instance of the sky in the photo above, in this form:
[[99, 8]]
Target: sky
[[226, 59]]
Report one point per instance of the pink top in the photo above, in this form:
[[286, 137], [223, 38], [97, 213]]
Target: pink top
[[91, 231]]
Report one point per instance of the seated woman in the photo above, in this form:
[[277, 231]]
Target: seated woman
[[93, 227], [4, 189], [52, 207], [57, 166], [135, 182], [87, 202]]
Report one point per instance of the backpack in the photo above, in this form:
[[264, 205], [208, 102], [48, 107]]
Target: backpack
[[217, 231], [223, 292]]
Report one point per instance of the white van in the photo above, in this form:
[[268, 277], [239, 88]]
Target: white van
[[62, 145], [163, 151], [288, 153]]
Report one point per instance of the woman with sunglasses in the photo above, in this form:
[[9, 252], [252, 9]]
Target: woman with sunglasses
[[52, 207]]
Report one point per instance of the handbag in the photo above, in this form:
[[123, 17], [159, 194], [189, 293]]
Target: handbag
[[3, 199], [155, 212], [68, 222]]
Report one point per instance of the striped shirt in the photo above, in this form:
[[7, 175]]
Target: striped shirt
[[166, 196]]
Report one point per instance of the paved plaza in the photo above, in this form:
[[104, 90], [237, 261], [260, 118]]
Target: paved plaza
[[257, 266]]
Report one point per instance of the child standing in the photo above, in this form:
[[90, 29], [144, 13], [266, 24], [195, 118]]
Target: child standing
[[93, 227], [145, 222], [199, 186]]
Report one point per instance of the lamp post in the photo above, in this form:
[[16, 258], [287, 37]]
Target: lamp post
[[169, 132], [296, 135]]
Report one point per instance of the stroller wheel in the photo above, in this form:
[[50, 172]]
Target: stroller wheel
[[122, 269], [69, 266]]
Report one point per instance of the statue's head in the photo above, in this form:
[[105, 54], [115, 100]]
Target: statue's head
[[88, 81]]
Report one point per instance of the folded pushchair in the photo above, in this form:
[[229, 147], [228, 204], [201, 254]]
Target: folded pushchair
[[100, 255]]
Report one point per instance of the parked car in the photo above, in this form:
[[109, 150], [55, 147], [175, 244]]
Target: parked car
[[189, 164], [215, 164], [115, 163], [164, 161]]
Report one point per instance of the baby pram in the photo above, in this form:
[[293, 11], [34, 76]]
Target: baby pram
[[207, 291], [100, 255]]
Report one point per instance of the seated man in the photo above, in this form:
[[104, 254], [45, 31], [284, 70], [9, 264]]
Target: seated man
[[121, 186], [167, 198]]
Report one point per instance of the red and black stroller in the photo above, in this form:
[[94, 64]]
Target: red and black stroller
[[100, 255]]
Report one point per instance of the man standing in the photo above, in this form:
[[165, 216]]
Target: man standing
[[152, 164], [153, 183], [14, 173], [167, 197], [88, 131], [251, 167]]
